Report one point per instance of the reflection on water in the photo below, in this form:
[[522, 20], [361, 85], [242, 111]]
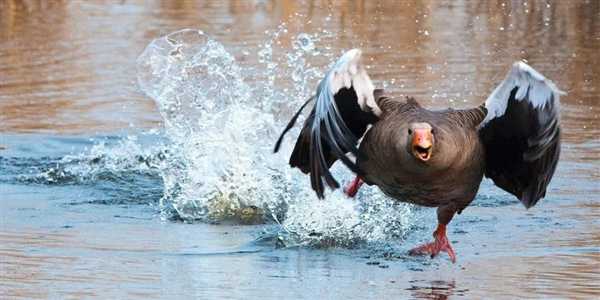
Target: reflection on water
[[439, 290], [69, 68]]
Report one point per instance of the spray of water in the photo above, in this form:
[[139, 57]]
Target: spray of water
[[223, 129], [214, 154]]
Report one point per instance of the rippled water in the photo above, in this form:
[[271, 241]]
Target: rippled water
[[135, 166]]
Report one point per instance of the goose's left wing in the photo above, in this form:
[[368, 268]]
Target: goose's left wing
[[521, 133]]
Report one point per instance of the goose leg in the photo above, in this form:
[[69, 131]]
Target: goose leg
[[353, 187], [441, 242]]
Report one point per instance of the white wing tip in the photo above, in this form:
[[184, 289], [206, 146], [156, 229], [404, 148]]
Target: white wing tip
[[351, 60], [522, 66], [349, 72], [353, 53]]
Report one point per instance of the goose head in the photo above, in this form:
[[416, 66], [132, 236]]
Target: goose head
[[421, 141]]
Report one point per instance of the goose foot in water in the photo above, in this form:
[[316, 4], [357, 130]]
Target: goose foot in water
[[441, 244]]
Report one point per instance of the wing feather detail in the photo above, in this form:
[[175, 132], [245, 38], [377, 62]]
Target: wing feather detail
[[521, 133], [344, 107]]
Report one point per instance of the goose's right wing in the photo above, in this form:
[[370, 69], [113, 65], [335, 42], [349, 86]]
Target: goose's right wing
[[344, 106]]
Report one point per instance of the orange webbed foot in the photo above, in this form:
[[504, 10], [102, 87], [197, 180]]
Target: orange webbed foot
[[440, 244]]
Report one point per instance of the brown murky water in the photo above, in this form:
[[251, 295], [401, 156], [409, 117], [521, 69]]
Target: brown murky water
[[68, 68]]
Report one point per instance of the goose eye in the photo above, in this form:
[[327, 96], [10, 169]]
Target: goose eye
[[432, 131], [409, 131]]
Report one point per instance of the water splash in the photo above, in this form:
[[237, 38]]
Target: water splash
[[370, 218], [214, 156], [193, 79], [109, 158], [222, 130], [222, 164], [213, 160], [121, 170]]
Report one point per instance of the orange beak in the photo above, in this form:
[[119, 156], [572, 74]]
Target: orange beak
[[422, 144]]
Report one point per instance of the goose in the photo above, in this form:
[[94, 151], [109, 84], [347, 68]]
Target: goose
[[432, 158]]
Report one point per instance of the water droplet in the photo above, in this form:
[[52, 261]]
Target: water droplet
[[305, 42]]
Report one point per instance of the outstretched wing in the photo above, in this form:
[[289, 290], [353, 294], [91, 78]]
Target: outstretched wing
[[521, 133], [344, 107]]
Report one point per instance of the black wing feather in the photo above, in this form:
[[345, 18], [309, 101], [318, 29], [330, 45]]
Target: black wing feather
[[315, 151], [344, 108], [337, 135], [522, 145]]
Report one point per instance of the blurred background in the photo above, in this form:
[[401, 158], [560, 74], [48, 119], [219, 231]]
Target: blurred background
[[69, 66]]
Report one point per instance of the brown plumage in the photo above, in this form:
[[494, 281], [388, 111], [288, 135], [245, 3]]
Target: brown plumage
[[388, 163], [432, 158]]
